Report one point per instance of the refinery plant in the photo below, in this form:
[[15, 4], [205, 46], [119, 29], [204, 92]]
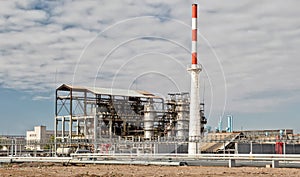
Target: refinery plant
[[96, 116], [101, 120], [111, 121]]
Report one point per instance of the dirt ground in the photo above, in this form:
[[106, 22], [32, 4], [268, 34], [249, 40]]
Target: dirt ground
[[47, 170]]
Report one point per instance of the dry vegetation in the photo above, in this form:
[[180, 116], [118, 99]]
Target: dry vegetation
[[54, 170]]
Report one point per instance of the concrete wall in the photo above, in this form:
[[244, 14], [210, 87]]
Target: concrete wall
[[292, 148], [245, 148], [171, 148]]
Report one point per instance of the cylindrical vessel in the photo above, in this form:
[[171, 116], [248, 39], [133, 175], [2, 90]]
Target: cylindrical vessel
[[182, 125], [149, 118]]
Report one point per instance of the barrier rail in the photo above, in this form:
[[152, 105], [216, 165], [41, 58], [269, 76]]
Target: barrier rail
[[184, 158], [158, 159]]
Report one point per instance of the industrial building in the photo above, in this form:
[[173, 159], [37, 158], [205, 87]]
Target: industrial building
[[252, 142], [37, 138], [92, 118], [131, 121]]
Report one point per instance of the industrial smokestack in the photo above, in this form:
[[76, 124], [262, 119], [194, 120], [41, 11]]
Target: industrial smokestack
[[194, 124], [194, 34]]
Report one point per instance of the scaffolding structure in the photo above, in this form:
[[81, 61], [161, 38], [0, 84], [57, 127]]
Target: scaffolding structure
[[177, 114], [96, 118], [93, 116]]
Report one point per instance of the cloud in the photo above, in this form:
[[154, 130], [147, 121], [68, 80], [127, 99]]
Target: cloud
[[35, 98], [146, 44]]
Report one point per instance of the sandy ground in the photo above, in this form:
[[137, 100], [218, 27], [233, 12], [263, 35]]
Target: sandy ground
[[43, 170]]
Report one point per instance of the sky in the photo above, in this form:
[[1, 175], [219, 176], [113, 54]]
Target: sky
[[248, 50]]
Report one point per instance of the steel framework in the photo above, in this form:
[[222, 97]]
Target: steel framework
[[93, 116]]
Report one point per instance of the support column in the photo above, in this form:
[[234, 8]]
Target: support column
[[232, 163], [63, 129], [275, 163]]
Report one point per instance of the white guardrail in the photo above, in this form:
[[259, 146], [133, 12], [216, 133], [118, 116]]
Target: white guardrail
[[157, 159]]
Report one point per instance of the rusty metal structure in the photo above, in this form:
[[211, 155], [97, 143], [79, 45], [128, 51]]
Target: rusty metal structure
[[85, 114], [94, 117]]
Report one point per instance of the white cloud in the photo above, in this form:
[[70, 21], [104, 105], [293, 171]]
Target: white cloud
[[256, 41], [42, 97]]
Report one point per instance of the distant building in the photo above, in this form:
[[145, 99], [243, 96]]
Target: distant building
[[276, 132], [38, 138], [280, 141]]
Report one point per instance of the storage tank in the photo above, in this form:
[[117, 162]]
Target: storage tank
[[149, 118], [182, 125], [61, 151]]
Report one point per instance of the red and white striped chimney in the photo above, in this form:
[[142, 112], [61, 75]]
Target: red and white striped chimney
[[194, 34], [195, 69]]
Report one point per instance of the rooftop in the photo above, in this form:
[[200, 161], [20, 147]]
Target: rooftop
[[108, 91]]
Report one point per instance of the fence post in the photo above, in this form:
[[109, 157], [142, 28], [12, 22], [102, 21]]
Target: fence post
[[231, 163], [275, 163]]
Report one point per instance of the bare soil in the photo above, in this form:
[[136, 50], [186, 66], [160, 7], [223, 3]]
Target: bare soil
[[58, 170]]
